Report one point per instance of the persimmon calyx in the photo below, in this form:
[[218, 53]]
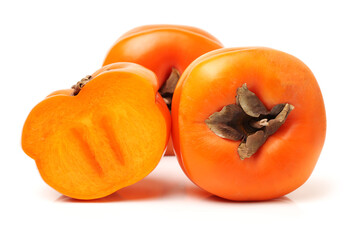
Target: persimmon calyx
[[168, 88], [248, 120], [80, 84]]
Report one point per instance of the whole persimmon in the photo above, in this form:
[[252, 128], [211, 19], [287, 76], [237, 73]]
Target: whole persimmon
[[106, 133], [248, 123], [166, 50]]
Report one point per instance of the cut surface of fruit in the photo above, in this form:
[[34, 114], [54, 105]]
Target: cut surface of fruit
[[110, 135]]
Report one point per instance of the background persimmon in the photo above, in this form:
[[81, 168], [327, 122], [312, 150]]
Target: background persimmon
[[166, 50], [248, 123], [106, 134]]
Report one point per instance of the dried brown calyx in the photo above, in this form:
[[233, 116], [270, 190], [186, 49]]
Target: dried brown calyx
[[249, 121], [80, 84], [168, 88]]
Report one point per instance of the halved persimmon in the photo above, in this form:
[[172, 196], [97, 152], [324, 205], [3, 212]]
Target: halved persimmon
[[109, 132], [166, 50], [248, 123]]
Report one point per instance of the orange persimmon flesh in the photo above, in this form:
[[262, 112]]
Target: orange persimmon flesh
[[162, 48], [288, 157], [111, 135]]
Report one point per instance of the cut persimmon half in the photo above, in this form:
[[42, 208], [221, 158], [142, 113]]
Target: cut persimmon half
[[106, 133]]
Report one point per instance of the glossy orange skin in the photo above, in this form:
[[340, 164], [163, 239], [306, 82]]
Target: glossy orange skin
[[161, 48], [109, 136], [287, 158]]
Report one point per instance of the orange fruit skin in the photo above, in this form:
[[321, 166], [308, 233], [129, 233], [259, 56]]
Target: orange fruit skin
[[287, 158]]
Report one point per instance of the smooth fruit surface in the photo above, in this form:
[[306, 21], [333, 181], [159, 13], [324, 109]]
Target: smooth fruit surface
[[285, 160]]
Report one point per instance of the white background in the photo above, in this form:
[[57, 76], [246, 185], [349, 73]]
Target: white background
[[47, 45]]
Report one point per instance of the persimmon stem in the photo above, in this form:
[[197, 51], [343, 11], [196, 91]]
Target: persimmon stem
[[80, 84], [168, 88], [259, 124], [249, 121]]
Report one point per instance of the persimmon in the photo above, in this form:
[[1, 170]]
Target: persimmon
[[248, 123], [166, 50], [108, 132]]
